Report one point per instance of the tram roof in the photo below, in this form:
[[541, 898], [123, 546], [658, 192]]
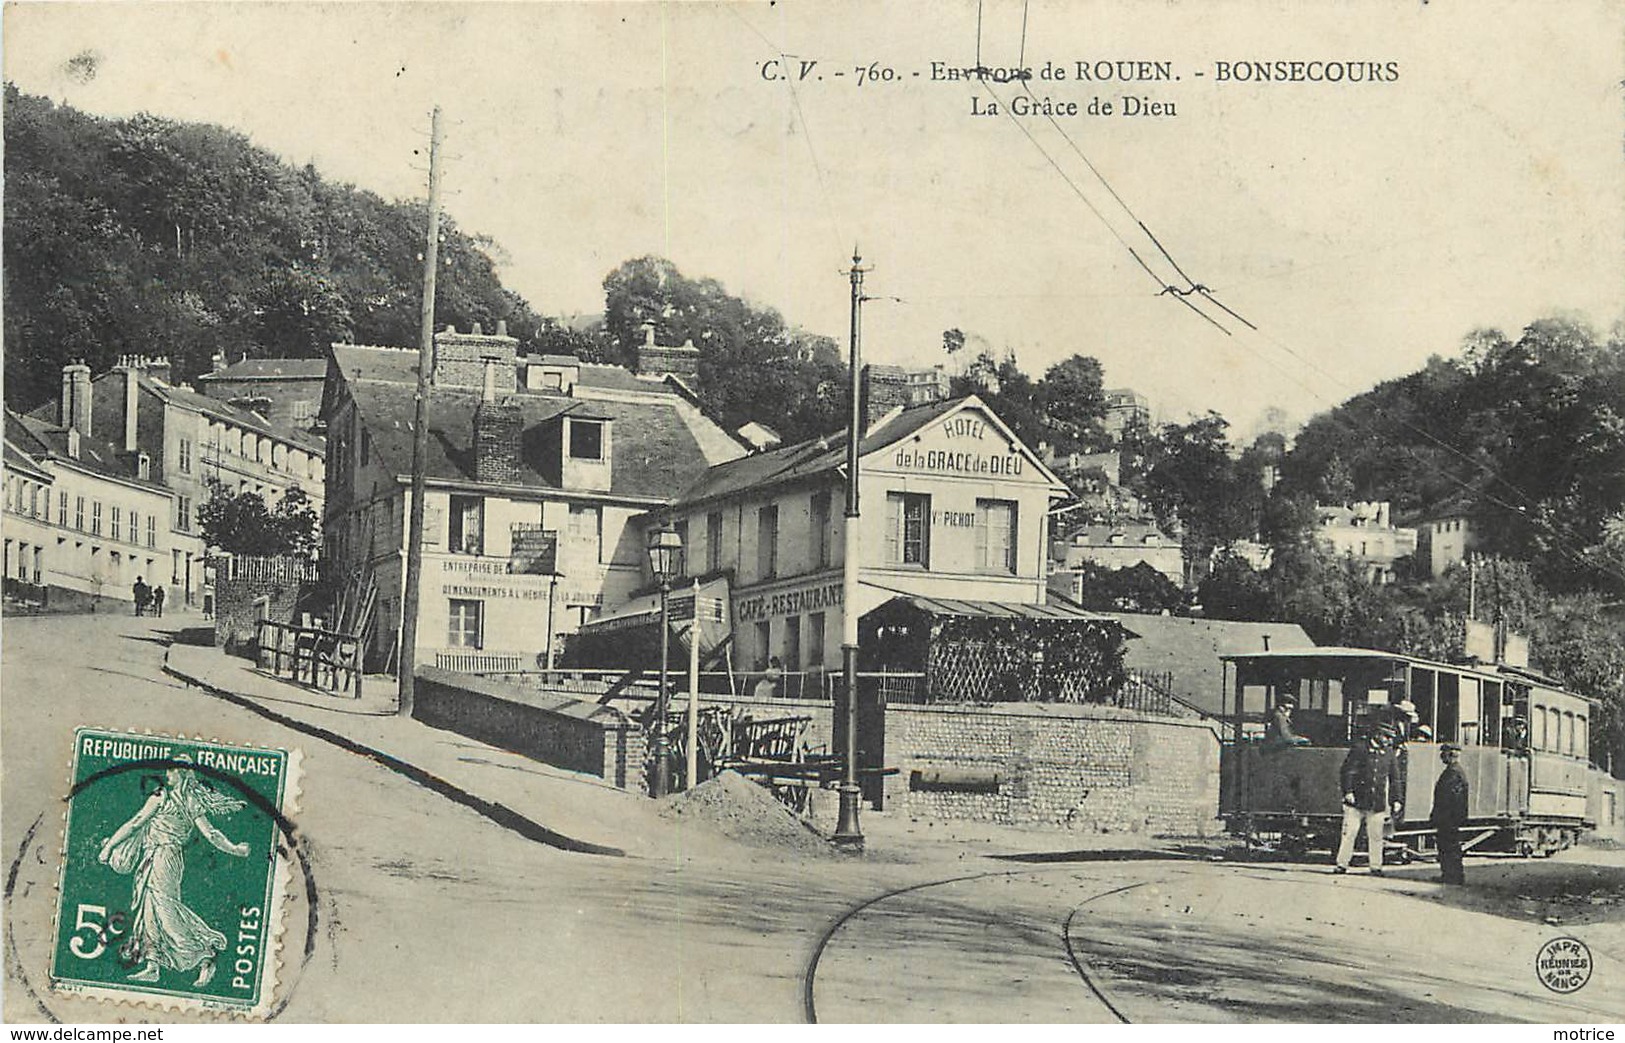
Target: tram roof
[[1336, 652]]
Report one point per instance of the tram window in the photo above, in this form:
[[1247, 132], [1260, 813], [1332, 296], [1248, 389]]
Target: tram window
[[1557, 731], [1252, 698], [1582, 740], [1537, 728], [1423, 683], [1334, 697], [1568, 727], [1491, 715], [1448, 726]]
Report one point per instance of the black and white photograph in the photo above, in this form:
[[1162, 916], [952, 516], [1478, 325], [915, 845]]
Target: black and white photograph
[[1042, 512]]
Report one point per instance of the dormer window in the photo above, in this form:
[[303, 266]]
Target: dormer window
[[586, 440], [143, 467]]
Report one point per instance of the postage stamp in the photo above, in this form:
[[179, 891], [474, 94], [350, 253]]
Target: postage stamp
[[173, 871]]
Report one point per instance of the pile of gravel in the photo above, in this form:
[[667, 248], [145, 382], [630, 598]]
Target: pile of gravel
[[746, 812]]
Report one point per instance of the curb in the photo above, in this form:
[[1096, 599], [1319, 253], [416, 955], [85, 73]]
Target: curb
[[500, 814]]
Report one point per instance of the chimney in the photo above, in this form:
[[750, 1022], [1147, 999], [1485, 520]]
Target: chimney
[[497, 430], [459, 359], [886, 388], [657, 361], [132, 401], [217, 362], [75, 406]]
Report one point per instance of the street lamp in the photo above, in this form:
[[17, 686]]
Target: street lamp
[[666, 563]]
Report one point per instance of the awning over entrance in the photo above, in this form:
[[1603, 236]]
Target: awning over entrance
[[622, 634]]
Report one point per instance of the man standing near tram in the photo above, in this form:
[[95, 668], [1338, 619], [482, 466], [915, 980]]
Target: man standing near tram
[[1450, 813], [1373, 787]]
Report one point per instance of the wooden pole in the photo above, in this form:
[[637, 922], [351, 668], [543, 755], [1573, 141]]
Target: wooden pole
[[420, 430]]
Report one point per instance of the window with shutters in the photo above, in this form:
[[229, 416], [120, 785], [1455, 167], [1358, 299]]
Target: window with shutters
[[996, 536], [467, 525], [908, 529], [713, 541], [767, 542], [820, 530]]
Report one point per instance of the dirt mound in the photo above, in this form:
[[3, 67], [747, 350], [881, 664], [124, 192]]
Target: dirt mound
[[741, 810]]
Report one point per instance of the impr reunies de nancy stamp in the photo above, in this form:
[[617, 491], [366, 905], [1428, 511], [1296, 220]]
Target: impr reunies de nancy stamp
[[172, 872]]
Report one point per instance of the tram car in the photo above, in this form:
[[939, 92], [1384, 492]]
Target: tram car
[[1524, 743]]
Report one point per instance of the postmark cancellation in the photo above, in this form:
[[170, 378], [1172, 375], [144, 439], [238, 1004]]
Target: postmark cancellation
[[174, 868]]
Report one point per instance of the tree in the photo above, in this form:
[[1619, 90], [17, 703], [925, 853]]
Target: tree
[[752, 365], [242, 523], [1074, 402], [1137, 588], [1194, 483]]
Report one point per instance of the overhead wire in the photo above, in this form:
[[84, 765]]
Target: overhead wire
[[1195, 288]]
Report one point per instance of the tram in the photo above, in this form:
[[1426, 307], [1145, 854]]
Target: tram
[[1525, 748]]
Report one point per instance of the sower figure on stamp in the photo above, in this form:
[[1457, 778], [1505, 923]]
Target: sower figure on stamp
[[163, 931], [1450, 813], [1372, 787]]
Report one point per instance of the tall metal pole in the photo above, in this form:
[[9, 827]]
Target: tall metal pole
[[662, 746], [693, 764], [847, 832], [420, 429]]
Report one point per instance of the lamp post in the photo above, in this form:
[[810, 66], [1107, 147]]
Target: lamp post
[[665, 562]]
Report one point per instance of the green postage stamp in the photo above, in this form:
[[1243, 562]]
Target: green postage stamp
[[174, 865]]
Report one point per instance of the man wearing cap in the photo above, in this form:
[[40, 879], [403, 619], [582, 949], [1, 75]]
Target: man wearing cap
[[1371, 780], [1450, 813], [1278, 732]]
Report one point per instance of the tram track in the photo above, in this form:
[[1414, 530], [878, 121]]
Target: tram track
[[1077, 962]]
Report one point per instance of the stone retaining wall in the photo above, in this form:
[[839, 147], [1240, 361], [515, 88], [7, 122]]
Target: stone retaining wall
[[1091, 768], [554, 729]]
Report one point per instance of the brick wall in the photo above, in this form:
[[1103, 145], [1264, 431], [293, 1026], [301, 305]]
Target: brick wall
[[237, 611], [554, 729], [1073, 767]]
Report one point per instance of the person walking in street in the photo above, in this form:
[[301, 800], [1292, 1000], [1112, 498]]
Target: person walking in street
[[1372, 789], [140, 593], [158, 599], [1450, 813]]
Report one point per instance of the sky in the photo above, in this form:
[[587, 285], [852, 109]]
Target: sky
[[1360, 226]]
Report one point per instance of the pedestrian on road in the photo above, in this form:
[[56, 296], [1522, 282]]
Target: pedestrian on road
[[1450, 813], [158, 599], [1372, 787], [140, 592]]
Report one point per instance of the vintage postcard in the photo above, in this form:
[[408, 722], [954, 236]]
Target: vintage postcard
[[790, 511]]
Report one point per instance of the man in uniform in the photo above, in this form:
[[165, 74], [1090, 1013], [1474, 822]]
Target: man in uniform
[[1449, 813], [1372, 787]]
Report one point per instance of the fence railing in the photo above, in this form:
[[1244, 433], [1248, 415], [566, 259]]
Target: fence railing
[[268, 569], [1143, 691], [479, 662]]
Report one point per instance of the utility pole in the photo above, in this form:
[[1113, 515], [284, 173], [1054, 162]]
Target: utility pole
[[847, 833], [420, 429]]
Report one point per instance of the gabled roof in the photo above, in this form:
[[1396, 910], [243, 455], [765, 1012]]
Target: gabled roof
[[652, 449], [787, 464], [50, 441], [269, 369], [214, 407], [22, 448]]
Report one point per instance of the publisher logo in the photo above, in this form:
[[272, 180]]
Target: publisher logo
[[1563, 965]]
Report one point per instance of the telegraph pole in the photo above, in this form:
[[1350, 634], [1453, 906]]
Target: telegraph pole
[[420, 429], [847, 833]]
